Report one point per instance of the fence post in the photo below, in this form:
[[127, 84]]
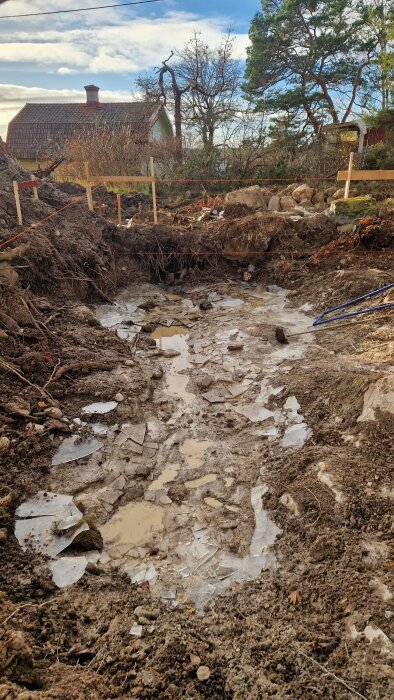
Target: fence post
[[349, 175], [89, 195], [35, 193], [17, 202], [152, 174]]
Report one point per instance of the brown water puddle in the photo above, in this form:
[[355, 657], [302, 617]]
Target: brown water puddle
[[193, 451], [133, 525], [213, 502], [165, 477], [203, 481]]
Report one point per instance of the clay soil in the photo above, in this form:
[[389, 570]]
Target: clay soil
[[302, 630]]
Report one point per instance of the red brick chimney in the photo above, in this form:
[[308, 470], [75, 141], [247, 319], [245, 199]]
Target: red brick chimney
[[92, 94]]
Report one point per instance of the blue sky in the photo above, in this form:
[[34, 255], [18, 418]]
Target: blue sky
[[50, 59]]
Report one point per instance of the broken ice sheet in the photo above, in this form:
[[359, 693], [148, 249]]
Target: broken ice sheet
[[39, 519], [140, 574], [296, 435], [48, 503], [67, 570], [73, 448], [254, 411], [100, 407]]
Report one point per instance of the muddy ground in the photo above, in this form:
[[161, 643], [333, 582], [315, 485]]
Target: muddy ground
[[294, 596]]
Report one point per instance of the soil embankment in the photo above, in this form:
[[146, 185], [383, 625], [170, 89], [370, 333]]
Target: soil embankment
[[236, 506]]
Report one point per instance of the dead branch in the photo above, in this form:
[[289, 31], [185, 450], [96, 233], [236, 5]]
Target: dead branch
[[85, 364], [16, 252], [11, 368], [330, 673], [46, 172]]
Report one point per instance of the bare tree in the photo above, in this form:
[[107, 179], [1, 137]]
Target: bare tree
[[214, 79], [200, 85]]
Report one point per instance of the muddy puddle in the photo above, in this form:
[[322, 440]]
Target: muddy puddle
[[198, 525]]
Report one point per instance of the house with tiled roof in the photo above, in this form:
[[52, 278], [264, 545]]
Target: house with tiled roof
[[40, 132]]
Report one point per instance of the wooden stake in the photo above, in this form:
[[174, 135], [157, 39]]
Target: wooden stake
[[152, 173], [17, 202], [89, 195], [119, 209], [349, 175], [35, 193]]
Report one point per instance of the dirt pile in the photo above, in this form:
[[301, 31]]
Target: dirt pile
[[191, 364]]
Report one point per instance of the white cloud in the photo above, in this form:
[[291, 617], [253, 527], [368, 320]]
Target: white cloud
[[121, 41], [125, 46]]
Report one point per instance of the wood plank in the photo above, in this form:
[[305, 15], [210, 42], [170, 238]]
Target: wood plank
[[120, 178], [370, 175], [27, 185]]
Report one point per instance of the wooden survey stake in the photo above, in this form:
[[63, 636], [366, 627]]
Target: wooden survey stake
[[27, 185], [152, 174], [119, 209], [349, 175], [35, 192], [17, 202], [89, 195]]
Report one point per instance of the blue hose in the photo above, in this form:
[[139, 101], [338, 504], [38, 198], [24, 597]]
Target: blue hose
[[320, 320]]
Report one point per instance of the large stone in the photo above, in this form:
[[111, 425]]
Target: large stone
[[354, 207], [303, 192], [287, 203], [318, 197], [252, 196], [274, 203]]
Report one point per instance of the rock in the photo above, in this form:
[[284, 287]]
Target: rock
[[203, 673], [235, 346], [157, 373], [345, 228], [204, 382], [318, 197], [287, 203], [88, 540], [129, 363], [355, 207], [83, 313], [205, 304], [303, 192], [170, 352], [147, 305], [274, 203], [53, 424], [17, 407], [194, 659], [3, 534], [290, 188], [321, 206], [252, 196], [53, 412], [119, 397], [5, 444], [148, 327], [330, 192], [147, 611]]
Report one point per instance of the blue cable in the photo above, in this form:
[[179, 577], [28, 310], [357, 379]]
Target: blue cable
[[320, 320]]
